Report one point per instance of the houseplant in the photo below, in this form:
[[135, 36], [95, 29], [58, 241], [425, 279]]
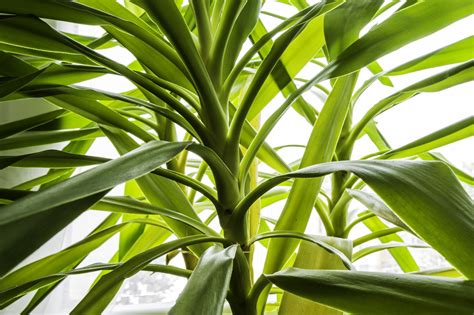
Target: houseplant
[[193, 77]]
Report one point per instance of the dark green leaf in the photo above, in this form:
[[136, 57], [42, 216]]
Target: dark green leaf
[[207, 288], [379, 293], [132, 165]]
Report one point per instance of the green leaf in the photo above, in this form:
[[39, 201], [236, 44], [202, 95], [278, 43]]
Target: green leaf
[[160, 191], [69, 74], [42, 293], [455, 132], [59, 261], [35, 229], [440, 272], [376, 248], [104, 290], [429, 193], [320, 148], [10, 86], [377, 206], [130, 205], [167, 16], [402, 255], [462, 175], [243, 26], [104, 12], [231, 11], [20, 125], [313, 257], [340, 34], [288, 55], [459, 51], [99, 113], [36, 138], [265, 153], [37, 37], [50, 159], [387, 37], [207, 287], [53, 279], [443, 80], [52, 175], [330, 244], [132, 165], [296, 55], [153, 60], [381, 293], [53, 74], [416, 191], [14, 66]]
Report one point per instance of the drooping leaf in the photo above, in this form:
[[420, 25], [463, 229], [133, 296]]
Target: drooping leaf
[[455, 132], [135, 164], [36, 138], [17, 126], [459, 51], [50, 159], [207, 287], [388, 293], [376, 248], [416, 191], [313, 257], [104, 290], [36, 229], [377, 206]]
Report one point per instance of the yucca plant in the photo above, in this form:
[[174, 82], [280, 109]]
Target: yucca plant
[[191, 142]]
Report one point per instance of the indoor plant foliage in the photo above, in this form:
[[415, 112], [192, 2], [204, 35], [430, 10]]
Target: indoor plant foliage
[[190, 143]]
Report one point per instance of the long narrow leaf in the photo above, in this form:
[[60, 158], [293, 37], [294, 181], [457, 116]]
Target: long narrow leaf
[[135, 164], [388, 293]]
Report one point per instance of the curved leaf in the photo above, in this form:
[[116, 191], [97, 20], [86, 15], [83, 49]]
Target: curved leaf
[[35, 229], [17, 126], [129, 205], [402, 255], [381, 293], [459, 51], [377, 206], [416, 191], [132, 165], [36, 138], [455, 132], [50, 159], [376, 248], [207, 287], [322, 241], [104, 290]]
